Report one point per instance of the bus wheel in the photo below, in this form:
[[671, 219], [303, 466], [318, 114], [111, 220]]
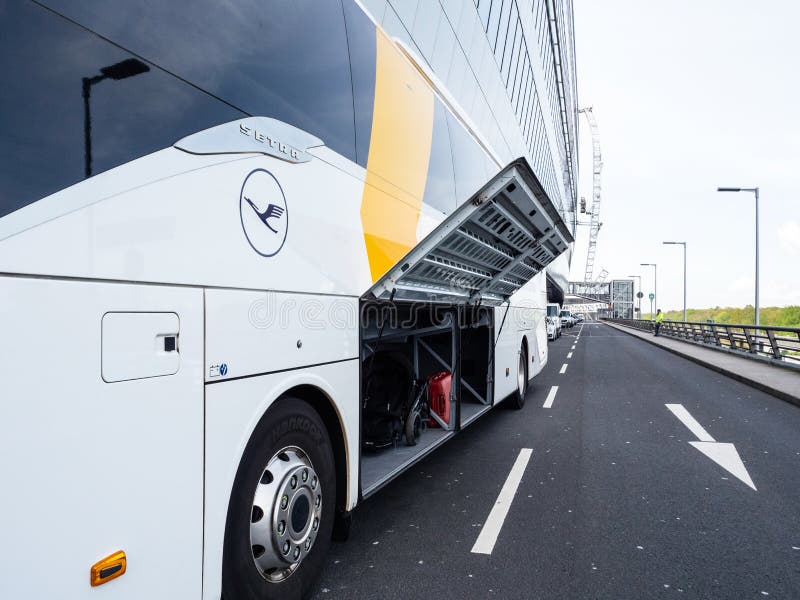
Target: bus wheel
[[281, 510], [522, 379]]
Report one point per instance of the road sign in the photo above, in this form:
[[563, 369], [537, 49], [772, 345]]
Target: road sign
[[639, 295], [652, 296]]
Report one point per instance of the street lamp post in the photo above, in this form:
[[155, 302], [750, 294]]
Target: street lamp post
[[684, 274], [655, 286], [121, 70], [639, 300], [755, 191]]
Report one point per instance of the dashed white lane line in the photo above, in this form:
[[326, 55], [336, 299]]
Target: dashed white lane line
[[494, 523], [684, 417], [563, 369], [569, 355], [548, 403]]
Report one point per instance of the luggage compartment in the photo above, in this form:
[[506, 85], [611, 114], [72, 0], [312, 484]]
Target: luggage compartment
[[434, 312], [406, 343]]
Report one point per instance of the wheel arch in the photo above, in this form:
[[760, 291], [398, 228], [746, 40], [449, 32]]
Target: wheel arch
[[525, 344], [530, 363], [326, 409]]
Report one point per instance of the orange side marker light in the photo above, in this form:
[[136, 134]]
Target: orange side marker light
[[111, 567]]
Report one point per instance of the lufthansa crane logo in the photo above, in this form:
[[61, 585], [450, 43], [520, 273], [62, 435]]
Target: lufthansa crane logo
[[263, 211]]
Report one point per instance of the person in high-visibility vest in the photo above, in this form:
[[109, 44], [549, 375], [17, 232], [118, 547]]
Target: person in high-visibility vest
[[659, 320]]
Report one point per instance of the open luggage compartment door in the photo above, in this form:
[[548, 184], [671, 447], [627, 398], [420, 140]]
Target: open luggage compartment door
[[487, 249]]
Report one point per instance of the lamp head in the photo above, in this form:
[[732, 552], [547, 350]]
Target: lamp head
[[127, 68]]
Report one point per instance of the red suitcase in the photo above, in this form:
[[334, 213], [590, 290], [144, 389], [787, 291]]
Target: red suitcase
[[439, 385]]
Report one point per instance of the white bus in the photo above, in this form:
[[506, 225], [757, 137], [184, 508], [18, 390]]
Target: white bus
[[234, 251]]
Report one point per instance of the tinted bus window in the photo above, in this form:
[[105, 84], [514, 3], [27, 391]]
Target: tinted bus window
[[440, 190], [362, 44], [134, 108], [274, 58], [469, 160]]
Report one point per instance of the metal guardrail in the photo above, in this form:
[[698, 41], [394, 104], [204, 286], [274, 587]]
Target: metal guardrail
[[779, 345]]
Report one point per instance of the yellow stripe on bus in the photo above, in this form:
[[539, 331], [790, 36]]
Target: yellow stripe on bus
[[397, 165]]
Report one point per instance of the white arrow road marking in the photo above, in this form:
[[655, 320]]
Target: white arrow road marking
[[491, 529], [722, 453], [548, 403], [684, 417], [726, 456]]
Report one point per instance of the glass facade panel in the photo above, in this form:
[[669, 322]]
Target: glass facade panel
[[494, 22], [503, 32], [508, 54], [484, 8]]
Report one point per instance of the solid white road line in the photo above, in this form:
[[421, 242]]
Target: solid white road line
[[569, 355], [563, 368], [548, 403], [491, 528], [684, 417]]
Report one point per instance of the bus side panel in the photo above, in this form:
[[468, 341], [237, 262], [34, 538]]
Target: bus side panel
[[90, 467], [525, 322], [535, 294], [508, 338], [188, 227], [233, 409], [260, 332]]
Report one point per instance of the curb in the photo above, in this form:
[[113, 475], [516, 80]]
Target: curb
[[759, 385]]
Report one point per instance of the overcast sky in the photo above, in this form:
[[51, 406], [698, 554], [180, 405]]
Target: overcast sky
[[691, 95]]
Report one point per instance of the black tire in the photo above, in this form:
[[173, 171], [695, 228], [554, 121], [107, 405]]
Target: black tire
[[518, 398], [413, 428], [290, 422]]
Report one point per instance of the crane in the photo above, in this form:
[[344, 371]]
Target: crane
[[597, 166]]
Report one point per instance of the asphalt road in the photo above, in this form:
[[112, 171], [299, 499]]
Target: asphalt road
[[614, 502]]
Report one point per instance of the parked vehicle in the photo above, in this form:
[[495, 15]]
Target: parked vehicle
[[567, 319], [553, 310], [553, 327]]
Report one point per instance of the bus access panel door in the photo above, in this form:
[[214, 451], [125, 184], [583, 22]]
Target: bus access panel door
[[486, 250], [101, 438]]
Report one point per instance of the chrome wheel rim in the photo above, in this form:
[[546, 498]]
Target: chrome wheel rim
[[285, 514], [521, 373]]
